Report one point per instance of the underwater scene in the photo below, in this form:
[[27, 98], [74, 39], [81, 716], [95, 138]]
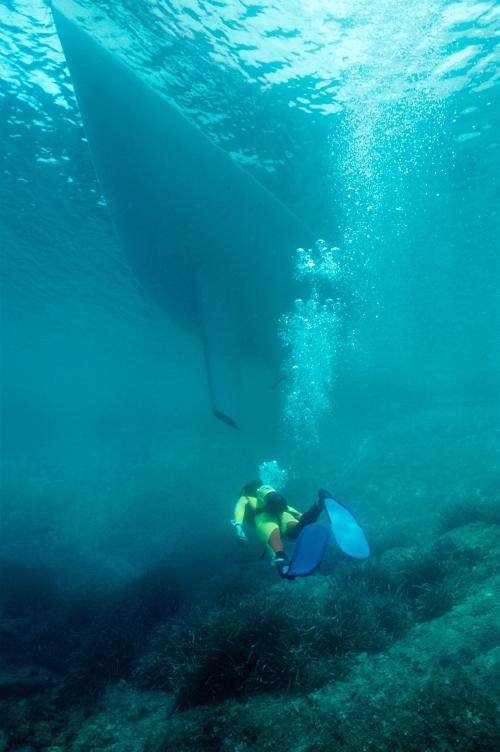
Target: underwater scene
[[249, 376]]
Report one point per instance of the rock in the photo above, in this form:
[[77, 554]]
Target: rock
[[24, 681]]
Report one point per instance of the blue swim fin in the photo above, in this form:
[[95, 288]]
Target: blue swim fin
[[346, 530], [309, 551]]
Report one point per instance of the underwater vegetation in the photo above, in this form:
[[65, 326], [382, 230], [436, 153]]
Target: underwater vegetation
[[300, 638], [327, 657], [91, 638]]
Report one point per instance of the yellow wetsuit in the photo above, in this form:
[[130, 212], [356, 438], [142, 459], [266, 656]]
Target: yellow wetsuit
[[269, 528]]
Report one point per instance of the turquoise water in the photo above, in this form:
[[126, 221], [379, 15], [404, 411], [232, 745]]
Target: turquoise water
[[377, 126], [380, 131]]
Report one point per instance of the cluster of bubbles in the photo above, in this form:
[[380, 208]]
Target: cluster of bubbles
[[389, 138], [320, 263], [386, 167], [310, 336], [272, 475]]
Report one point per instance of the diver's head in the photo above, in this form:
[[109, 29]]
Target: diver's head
[[275, 503], [251, 488]]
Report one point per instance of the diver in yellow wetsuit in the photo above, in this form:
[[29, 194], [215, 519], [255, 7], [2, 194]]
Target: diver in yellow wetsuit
[[267, 511]]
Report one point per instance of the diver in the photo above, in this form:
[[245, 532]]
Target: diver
[[267, 511]]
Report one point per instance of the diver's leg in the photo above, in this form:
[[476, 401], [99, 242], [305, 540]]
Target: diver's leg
[[269, 534], [287, 524], [312, 514], [274, 543]]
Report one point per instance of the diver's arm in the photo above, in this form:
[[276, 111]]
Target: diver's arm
[[239, 515], [239, 510], [294, 512]]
